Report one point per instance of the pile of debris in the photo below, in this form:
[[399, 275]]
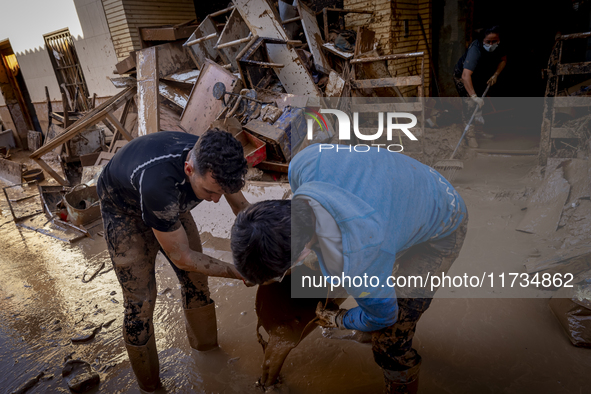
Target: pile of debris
[[251, 69], [558, 212]]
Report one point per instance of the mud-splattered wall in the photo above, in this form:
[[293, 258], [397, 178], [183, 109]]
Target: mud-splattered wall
[[398, 30]]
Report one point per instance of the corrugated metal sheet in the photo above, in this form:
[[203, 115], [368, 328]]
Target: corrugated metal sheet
[[125, 16]]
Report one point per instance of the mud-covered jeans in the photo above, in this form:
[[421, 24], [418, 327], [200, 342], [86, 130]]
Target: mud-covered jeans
[[392, 346], [133, 249]]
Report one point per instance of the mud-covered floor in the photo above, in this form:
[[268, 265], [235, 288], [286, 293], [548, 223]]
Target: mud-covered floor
[[492, 345]]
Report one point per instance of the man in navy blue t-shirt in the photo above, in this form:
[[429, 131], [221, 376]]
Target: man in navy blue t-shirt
[[147, 191]]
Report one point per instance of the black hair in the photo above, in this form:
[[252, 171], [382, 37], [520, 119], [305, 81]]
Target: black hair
[[268, 236], [222, 154], [492, 30]]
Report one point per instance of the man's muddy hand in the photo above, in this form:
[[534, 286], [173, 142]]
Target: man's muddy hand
[[330, 318]]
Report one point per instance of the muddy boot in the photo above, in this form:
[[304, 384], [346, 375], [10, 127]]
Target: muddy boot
[[202, 328], [402, 388], [471, 137], [144, 362], [402, 382]]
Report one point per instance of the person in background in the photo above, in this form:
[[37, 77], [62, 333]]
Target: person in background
[[480, 66]]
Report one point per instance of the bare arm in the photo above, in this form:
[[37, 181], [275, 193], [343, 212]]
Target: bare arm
[[467, 79], [176, 245], [237, 202], [501, 65]]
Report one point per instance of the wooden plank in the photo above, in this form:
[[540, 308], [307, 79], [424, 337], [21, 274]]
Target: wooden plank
[[261, 21], [202, 108], [312, 32], [387, 57], [51, 172], [386, 82], [147, 86], [119, 126], [87, 120], [235, 29]]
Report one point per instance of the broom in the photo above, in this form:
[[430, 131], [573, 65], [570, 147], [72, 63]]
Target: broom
[[448, 168]]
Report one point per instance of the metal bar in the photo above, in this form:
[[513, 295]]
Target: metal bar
[[263, 64], [287, 21], [232, 43], [220, 12], [575, 35], [200, 39]]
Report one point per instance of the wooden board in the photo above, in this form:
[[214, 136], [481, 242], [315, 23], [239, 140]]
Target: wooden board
[[313, 37], [202, 108], [147, 86], [172, 58], [261, 21], [10, 171], [544, 207], [234, 29]]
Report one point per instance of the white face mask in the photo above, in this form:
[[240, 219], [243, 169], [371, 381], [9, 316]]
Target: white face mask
[[489, 47]]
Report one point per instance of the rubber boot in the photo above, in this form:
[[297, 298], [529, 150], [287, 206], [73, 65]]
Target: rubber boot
[[202, 328], [402, 382], [144, 362], [402, 388]]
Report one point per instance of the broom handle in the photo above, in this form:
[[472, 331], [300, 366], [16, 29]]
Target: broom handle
[[468, 125]]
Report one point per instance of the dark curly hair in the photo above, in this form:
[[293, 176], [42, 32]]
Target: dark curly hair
[[268, 236], [222, 154]]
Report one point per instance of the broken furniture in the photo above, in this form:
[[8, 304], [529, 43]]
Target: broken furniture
[[294, 76], [157, 34], [374, 66], [26, 210], [201, 44], [555, 71], [102, 113], [202, 107], [326, 17], [254, 65], [307, 18]]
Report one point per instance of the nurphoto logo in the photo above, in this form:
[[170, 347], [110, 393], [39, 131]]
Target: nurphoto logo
[[344, 121]]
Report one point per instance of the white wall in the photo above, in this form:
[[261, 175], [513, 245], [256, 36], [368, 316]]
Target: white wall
[[96, 51], [38, 73]]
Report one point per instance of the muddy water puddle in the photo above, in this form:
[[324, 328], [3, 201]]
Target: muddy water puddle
[[468, 345]]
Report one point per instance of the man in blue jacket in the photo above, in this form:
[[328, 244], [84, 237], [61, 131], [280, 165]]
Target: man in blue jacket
[[373, 214]]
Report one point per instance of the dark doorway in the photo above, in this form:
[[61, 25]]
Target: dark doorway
[[15, 93]]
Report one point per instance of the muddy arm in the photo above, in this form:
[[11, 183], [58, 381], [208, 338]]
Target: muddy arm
[[237, 202], [176, 245]]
